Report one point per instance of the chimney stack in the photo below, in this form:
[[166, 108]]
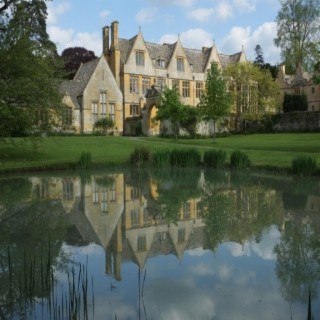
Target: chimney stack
[[105, 40], [114, 35]]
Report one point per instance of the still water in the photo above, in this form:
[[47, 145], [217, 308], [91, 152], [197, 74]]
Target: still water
[[159, 245]]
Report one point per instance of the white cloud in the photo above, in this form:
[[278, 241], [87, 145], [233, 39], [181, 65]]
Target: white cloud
[[263, 35], [224, 10], [182, 3], [65, 38], [201, 14], [55, 11], [104, 14], [192, 38], [244, 5], [146, 15]]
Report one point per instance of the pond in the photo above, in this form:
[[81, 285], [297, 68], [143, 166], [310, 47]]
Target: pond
[[159, 244]]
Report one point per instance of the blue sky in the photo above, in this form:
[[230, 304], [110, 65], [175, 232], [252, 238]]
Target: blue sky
[[231, 24]]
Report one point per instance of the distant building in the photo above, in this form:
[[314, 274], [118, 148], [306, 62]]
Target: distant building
[[300, 83]]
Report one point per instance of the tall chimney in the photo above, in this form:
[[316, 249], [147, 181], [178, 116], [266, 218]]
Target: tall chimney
[[114, 35], [105, 40]]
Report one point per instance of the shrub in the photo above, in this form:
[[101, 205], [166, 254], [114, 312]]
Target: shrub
[[304, 165], [214, 158], [295, 102], [85, 160], [140, 155], [161, 158], [239, 160], [185, 158]]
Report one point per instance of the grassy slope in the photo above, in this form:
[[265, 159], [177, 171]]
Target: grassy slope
[[276, 150]]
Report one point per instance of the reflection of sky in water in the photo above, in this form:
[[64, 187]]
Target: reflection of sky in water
[[235, 282]]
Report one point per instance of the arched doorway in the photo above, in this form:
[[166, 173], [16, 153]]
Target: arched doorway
[[151, 126]]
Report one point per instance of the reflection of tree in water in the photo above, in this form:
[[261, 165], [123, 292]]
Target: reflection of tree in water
[[238, 211], [175, 187], [298, 260], [29, 242]]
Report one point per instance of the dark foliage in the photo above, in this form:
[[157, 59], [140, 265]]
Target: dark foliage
[[73, 57], [295, 102]]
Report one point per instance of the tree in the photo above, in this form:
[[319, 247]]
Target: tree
[[190, 119], [30, 102], [298, 24], [215, 101], [259, 60], [171, 108], [73, 57], [254, 91]]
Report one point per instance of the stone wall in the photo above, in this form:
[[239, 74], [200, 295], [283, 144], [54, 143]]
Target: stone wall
[[298, 122]]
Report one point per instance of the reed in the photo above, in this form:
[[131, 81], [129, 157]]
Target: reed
[[139, 156], [185, 158], [214, 158], [37, 276], [161, 158], [85, 160], [239, 160], [304, 165]]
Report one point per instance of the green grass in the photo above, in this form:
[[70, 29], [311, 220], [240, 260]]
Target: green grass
[[265, 150]]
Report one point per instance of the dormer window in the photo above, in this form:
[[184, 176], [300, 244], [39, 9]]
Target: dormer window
[[180, 64], [139, 58], [161, 64]]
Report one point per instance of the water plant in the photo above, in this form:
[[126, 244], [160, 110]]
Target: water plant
[[239, 160], [85, 160], [185, 158], [161, 158], [214, 158], [139, 156], [304, 165]]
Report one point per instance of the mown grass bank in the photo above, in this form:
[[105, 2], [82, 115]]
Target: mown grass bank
[[264, 150]]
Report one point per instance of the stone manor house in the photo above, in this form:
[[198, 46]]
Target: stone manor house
[[125, 81]]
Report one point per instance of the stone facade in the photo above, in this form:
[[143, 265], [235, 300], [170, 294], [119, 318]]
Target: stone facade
[[300, 83], [91, 95], [138, 65]]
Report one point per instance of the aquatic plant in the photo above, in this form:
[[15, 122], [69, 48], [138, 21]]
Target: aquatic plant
[[139, 156], [85, 160], [304, 165], [239, 160], [214, 158]]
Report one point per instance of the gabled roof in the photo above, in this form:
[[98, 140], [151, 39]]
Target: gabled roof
[[229, 59], [198, 58], [74, 88]]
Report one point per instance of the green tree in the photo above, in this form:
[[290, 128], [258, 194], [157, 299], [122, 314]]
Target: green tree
[[215, 101], [298, 24], [171, 108], [190, 119], [254, 92], [30, 102], [259, 60]]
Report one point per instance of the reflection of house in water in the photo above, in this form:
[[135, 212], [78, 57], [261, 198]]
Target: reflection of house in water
[[125, 216]]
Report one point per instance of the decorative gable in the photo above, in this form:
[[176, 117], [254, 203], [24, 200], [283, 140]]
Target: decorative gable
[[139, 60]]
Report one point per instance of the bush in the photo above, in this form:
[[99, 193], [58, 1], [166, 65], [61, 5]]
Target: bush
[[304, 165], [140, 155], [239, 160], [161, 158], [214, 158], [185, 158], [295, 102], [85, 160]]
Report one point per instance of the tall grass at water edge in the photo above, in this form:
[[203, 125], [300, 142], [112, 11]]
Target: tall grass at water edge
[[303, 165], [39, 291], [214, 158], [239, 160]]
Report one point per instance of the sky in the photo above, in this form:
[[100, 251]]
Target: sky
[[230, 24]]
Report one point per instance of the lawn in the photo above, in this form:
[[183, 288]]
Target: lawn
[[266, 150]]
